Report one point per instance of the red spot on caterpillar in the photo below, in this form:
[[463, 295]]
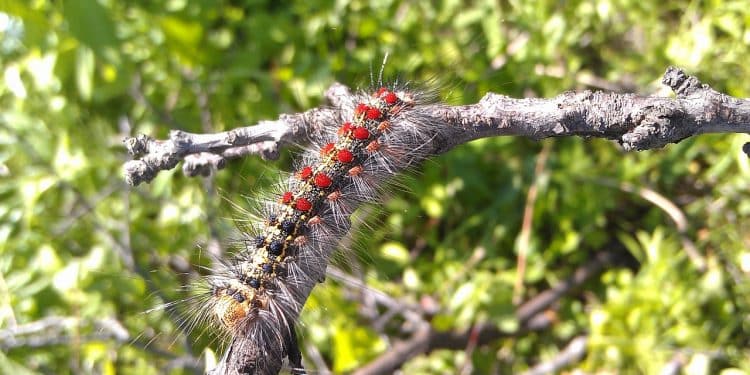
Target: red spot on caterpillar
[[380, 92], [287, 197], [361, 108], [373, 146], [327, 149], [384, 126], [361, 133], [314, 220], [345, 128], [391, 98], [334, 196], [373, 113], [355, 171], [302, 204], [322, 180], [305, 173], [345, 156]]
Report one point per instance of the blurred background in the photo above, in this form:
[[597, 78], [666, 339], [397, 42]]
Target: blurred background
[[85, 261]]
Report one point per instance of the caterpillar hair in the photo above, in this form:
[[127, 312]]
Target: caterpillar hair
[[256, 297]]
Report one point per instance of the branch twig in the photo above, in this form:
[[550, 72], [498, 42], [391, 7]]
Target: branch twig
[[532, 316], [524, 237], [572, 353]]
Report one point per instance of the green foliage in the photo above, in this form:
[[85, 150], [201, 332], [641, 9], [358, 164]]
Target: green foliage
[[80, 75]]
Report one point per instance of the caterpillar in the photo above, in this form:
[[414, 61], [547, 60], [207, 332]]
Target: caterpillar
[[255, 297]]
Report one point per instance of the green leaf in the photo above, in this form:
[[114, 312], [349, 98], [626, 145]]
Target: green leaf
[[185, 36], [90, 23]]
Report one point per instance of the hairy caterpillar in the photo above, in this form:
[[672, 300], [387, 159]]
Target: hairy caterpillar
[[255, 298]]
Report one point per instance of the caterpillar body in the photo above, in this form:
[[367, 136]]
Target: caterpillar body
[[256, 297]]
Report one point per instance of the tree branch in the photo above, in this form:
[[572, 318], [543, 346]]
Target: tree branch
[[532, 316], [636, 122], [263, 139]]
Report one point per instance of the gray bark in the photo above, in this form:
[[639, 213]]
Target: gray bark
[[635, 122]]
